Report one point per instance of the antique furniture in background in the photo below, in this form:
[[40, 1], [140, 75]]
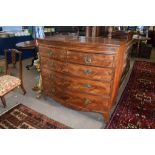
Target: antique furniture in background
[[8, 82], [35, 62], [30, 47], [83, 73], [139, 39], [10, 43], [93, 31]]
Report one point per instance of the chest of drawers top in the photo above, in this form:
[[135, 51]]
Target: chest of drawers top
[[85, 44]]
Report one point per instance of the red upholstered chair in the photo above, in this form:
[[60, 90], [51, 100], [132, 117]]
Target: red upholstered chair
[[8, 82]]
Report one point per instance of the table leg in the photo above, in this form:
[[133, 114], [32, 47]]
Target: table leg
[[35, 58], [28, 66]]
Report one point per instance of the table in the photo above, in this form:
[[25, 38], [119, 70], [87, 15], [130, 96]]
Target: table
[[28, 45], [10, 43], [139, 39]]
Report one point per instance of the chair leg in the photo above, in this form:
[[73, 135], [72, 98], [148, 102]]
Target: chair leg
[[23, 89], [3, 101]]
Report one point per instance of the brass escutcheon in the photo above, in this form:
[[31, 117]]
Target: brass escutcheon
[[88, 72], [50, 53], [87, 86], [87, 101], [87, 59]]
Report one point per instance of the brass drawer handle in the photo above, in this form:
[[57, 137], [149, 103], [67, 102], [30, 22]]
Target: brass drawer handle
[[87, 101], [88, 72], [87, 85], [50, 53], [88, 59]]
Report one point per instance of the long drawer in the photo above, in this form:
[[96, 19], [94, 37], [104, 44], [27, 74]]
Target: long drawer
[[84, 101], [87, 86], [55, 53], [100, 60], [82, 71], [90, 72], [76, 84]]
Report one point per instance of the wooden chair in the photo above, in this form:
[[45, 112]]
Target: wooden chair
[[8, 82]]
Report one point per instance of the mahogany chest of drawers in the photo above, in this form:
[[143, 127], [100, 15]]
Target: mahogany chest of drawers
[[83, 73]]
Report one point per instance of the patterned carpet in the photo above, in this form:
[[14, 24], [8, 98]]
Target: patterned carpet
[[136, 108], [22, 117]]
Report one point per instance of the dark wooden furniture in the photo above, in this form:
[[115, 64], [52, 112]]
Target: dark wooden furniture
[[28, 45], [93, 31], [138, 40], [83, 73], [8, 82]]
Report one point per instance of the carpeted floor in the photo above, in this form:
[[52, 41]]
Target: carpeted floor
[[54, 110], [137, 104], [22, 117]]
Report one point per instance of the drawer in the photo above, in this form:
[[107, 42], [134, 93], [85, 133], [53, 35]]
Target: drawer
[[53, 90], [85, 101], [54, 53], [75, 84], [80, 100], [90, 72], [52, 78], [90, 59], [52, 64], [87, 86]]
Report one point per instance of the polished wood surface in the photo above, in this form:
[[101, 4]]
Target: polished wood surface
[[29, 46], [26, 45], [83, 73]]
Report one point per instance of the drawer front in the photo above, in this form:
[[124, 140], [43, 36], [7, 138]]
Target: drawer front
[[90, 59], [89, 72], [75, 84], [53, 53], [54, 65], [89, 102], [53, 90], [80, 100], [86, 86], [52, 78]]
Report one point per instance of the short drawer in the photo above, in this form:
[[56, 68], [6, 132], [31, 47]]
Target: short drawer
[[53, 90], [52, 78], [89, 59], [87, 86], [52, 64], [90, 72], [54, 53]]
